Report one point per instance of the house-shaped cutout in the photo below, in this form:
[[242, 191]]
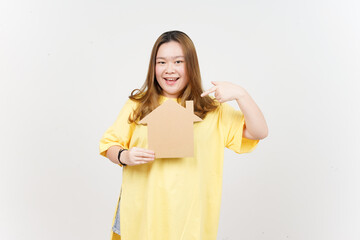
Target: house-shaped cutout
[[170, 130]]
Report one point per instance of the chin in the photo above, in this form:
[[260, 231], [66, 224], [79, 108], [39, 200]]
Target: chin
[[170, 94]]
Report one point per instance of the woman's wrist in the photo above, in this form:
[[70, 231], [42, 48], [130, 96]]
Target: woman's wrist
[[121, 158], [241, 93]]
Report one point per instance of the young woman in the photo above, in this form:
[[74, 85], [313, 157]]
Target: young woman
[[178, 198]]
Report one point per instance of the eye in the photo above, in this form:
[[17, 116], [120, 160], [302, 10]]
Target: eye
[[179, 61], [160, 62]]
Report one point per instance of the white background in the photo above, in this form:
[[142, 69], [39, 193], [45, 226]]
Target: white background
[[67, 67]]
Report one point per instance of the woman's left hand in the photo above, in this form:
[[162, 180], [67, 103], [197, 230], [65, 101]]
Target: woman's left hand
[[225, 91]]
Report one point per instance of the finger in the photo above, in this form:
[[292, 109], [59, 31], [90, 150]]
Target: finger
[[148, 155], [141, 161], [146, 151], [215, 82], [144, 156], [211, 90], [143, 150]]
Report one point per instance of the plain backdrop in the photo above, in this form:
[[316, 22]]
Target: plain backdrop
[[67, 68]]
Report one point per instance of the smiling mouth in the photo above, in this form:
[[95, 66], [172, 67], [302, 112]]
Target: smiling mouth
[[171, 79]]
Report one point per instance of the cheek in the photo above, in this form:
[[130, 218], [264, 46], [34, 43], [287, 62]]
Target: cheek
[[158, 70], [183, 73]]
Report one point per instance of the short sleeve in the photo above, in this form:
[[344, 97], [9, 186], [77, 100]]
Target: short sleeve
[[232, 123], [120, 132]]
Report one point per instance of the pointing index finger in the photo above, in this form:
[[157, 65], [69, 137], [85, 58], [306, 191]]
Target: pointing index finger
[[211, 90]]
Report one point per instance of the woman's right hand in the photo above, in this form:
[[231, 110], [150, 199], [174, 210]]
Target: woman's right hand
[[136, 156]]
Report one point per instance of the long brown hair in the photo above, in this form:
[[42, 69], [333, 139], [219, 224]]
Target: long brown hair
[[148, 95]]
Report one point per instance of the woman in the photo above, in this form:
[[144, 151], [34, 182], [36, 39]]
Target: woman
[[177, 198]]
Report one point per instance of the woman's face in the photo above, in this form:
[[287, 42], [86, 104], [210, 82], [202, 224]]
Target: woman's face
[[170, 69]]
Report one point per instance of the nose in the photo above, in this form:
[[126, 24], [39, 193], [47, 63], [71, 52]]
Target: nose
[[169, 69]]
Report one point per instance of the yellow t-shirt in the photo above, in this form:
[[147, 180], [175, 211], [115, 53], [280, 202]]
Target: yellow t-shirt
[[176, 198]]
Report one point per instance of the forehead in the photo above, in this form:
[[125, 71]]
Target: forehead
[[170, 49]]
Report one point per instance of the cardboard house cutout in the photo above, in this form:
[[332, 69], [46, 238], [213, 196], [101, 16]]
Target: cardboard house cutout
[[171, 130]]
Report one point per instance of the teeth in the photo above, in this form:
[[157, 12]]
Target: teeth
[[170, 79]]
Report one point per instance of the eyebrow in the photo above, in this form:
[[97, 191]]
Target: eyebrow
[[171, 57]]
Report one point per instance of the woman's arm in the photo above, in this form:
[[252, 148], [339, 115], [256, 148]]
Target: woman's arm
[[112, 153], [255, 124], [133, 156]]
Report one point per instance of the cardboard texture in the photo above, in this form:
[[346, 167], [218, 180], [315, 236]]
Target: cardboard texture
[[171, 130]]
